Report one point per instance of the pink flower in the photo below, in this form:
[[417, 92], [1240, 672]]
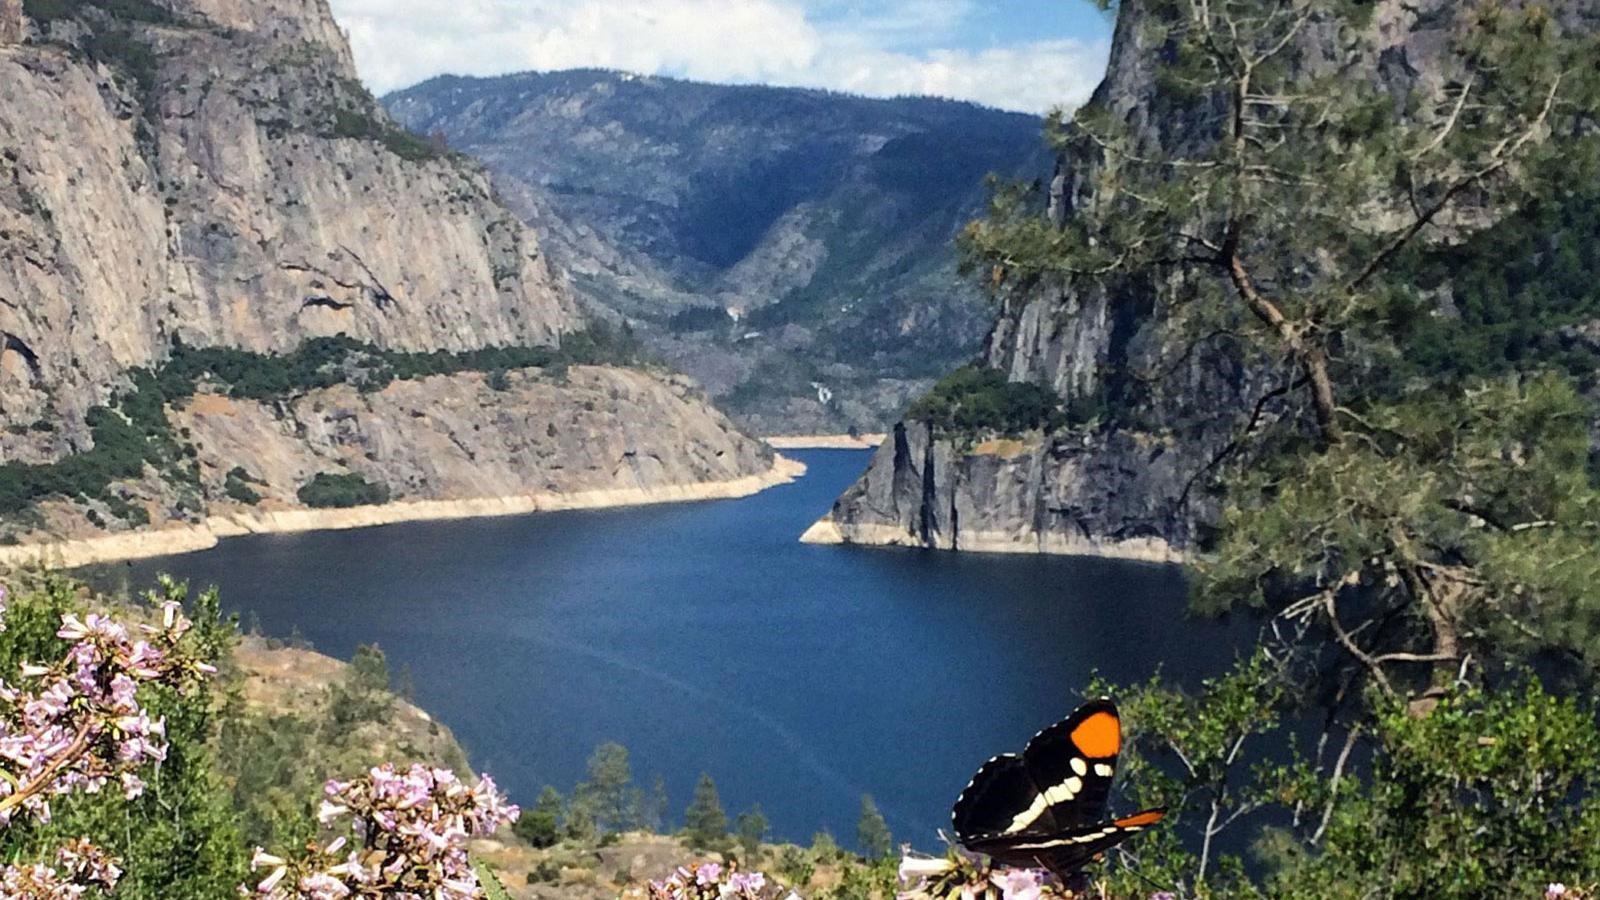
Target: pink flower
[[415, 825], [709, 881], [76, 726], [1018, 884]]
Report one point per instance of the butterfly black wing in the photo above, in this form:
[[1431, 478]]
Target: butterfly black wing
[[993, 799], [1061, 781], [1065, 852], [1073, 762]]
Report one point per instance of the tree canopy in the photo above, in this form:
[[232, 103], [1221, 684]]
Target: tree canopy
[[1418, 536]]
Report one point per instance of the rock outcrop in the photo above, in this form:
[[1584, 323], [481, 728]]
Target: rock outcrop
[[1136, 487], [211, 172], [1103, 496], [218, 176], [451, 437], [11, 29]]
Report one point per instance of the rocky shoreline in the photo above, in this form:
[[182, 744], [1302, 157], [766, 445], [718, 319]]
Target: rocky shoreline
[[826, 441], [827, 532], [71, 554]]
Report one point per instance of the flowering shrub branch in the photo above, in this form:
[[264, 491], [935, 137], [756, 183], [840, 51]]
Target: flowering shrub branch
[[76, 725], [80, 867], [971, 877], [410, 831], [713, 881]]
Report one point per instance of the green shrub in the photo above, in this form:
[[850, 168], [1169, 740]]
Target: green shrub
[[976, 400], [329, 491], [367, 126], [796, 867], [699, 318], [540, 825], [46, 11], [128, 435], [237, 486], [363, 694]]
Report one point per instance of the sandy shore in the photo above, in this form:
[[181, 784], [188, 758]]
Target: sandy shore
[[827, 532], [826, 442], [190, 538]]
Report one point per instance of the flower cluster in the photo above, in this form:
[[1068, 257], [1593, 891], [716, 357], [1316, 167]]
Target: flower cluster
[[410, 834], [970, 877], [77, 724], [713, 881], [80, 867], [1558, 891]]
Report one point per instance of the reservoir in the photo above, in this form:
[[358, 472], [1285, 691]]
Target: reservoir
[[706, 638]]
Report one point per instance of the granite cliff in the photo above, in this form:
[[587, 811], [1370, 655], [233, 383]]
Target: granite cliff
[[210, 174], [790, 249], [1130, 479]]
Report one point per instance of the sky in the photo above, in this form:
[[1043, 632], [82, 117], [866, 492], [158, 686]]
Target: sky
[[1024, 55]]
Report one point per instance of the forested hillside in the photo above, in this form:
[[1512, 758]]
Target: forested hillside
[[791, 249]]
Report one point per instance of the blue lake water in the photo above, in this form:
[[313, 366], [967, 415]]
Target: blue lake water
[[705, 638]]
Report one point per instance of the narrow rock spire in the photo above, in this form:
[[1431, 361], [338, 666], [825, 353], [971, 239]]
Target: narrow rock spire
[[11, 25]]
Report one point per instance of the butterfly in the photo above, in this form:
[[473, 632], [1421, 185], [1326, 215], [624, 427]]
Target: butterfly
[[1046, 808]]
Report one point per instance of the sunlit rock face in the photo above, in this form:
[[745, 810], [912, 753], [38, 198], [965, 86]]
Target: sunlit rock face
[[232, 193], [213, 173], [10, 21], [1138, 484]]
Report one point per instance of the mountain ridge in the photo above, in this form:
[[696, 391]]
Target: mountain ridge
[[791, 248]]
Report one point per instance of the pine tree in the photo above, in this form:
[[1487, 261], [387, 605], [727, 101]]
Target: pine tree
[[872, 832], [751, 828], [609, 794], [362, 695], [579, 824], [1415, 532], [653, 812], [705, 824]]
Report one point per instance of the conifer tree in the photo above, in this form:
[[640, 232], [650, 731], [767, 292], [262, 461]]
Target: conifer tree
[[609, 794], [653, 813], [751, 827], [872, 832], [1416, 534], [705, 823]]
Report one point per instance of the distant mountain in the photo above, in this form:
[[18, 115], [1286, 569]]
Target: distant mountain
[[792, 249]]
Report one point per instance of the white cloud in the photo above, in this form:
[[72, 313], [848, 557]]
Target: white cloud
[[862, 48], [1029, 77]]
